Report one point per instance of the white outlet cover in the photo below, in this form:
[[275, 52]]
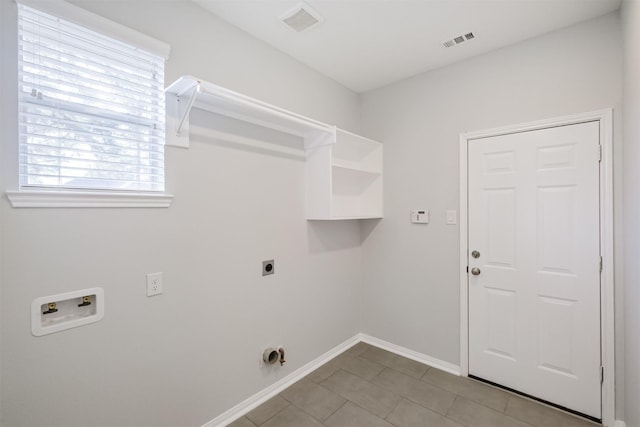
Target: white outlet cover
[[154, 284]]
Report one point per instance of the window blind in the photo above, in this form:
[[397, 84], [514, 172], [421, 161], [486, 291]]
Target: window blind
[[91, 108]]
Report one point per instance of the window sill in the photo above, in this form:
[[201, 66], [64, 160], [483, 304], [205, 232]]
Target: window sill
[[87, 199]]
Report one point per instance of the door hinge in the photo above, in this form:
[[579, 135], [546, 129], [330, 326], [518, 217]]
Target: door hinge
[[601, 265], [601, 374], [599, 153]]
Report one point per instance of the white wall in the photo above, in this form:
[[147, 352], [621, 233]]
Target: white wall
[[3, 113], [186, 356], [411, 272], [631, 135]]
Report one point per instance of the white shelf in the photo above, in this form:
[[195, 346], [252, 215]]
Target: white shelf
[[344, 180], [190, 92], [357, 152], [343, 170], [340, 165]]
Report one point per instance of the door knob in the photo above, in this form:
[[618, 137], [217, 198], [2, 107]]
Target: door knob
[[475, 254], [475, 271]]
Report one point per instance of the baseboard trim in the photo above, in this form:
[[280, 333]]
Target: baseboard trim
[[620, 424], [410, 354], [262, 396], [274, 389]]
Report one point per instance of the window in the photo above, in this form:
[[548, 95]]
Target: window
[[91, 109]]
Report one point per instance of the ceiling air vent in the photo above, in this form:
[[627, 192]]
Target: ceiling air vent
[[458, 40], [301, 18]]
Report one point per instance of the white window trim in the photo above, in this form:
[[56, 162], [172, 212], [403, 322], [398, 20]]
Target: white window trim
[[68, 198], [87, 199], [77, 15]]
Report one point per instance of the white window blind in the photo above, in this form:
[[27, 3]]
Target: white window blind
[[91, 108]]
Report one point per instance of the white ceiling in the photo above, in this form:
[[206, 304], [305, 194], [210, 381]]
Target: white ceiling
[[366, 44]]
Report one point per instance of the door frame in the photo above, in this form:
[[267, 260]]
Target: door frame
[[605, 118]]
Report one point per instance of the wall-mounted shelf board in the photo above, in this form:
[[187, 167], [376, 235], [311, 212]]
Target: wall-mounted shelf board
[[190, 92], [343, 170], [344, 180]]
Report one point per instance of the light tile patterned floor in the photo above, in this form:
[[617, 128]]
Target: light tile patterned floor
[[370, 387]]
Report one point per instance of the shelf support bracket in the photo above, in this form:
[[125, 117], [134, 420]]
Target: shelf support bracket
[[179, 107], [187, 108]]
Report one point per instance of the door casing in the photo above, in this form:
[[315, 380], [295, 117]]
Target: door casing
[[605, 118]]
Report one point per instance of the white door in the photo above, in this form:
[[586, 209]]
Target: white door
[[534, 302]]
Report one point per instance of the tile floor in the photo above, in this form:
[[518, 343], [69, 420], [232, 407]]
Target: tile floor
[[370, 387]]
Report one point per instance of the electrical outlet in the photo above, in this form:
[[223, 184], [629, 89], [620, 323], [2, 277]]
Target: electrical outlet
[[268, 267], [154, 284]]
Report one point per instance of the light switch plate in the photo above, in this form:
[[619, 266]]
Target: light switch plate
[[452, 218]]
